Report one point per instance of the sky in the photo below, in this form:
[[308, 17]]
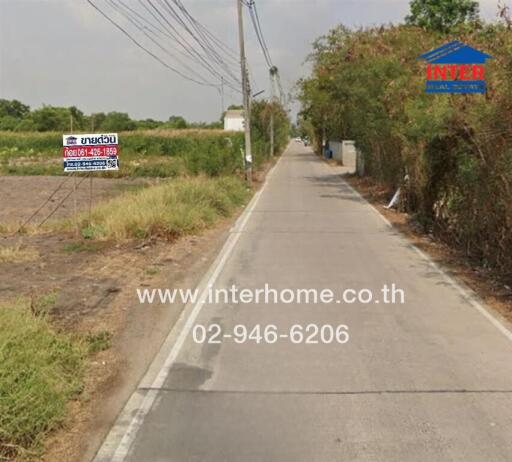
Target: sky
[[64, 53]]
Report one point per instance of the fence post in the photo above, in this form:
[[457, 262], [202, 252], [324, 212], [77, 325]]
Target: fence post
[[359, 162]]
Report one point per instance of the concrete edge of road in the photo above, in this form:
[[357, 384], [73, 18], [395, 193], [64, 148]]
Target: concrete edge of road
[[119, 440], [498, 321]]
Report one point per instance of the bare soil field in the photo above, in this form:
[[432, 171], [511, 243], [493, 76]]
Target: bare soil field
[[21, 196]]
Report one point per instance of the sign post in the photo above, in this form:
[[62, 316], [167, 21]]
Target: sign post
[[90, 153]]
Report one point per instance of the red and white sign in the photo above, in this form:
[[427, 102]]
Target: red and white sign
[[91, 152]]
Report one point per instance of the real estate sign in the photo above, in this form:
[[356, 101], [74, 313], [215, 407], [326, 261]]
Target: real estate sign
[[91, 152]]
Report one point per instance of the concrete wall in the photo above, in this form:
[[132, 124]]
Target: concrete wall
[[336, 150], [234, 124], [349, 155]]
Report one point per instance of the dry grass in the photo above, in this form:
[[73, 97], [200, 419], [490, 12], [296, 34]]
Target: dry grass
[[17, 253], [180, 132], [172, 209]]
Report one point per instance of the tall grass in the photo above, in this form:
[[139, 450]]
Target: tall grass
[[40, 370], [178, 207], [149, 153]]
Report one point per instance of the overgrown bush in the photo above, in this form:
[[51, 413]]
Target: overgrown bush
[[369, 85]]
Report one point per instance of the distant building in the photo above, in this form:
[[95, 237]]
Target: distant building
[[234, 120]]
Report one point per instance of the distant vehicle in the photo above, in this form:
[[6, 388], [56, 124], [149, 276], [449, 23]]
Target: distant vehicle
[[298, 139]]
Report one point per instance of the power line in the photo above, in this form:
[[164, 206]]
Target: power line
[[188, 47], [188, 51], [133, 17], [259, 33], [150, 53], [204, 45], [207, 35], [150, 30], [138, 20]]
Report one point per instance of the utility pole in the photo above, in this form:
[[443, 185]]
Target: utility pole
[[273, 72], [222, 94], [246, 95]]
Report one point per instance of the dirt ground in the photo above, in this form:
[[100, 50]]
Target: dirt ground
[[22, 196], [96, 284], [491, 290]]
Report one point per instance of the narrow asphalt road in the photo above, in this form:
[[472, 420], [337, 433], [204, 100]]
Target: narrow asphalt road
[[426, 380]]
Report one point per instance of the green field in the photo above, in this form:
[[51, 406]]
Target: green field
[[151, 153]]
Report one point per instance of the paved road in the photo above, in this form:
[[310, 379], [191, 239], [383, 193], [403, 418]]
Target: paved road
[[428, 380]]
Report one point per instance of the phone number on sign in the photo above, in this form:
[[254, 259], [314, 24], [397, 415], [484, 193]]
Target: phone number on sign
[[270, 333], [90, 151]]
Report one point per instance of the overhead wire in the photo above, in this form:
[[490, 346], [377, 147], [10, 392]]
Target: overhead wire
[[253, 12], [204, 45], [132, 16], [146, 50], [209, 38], [162, 29], [187, 50], [184, 42]]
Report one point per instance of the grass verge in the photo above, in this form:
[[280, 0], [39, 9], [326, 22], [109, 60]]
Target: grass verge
[[40, 370], [172, 209]]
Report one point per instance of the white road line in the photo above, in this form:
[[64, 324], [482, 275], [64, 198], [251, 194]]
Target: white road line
[[466, 292], [132, 416]]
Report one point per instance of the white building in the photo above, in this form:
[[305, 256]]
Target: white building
[[234, 120]]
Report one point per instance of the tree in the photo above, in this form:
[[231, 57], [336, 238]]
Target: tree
[[176, 122], [148, 124], [442, 15], [261, 112], [8, 122], [117, 121], [49, 118], [96, 120], [13, 108], [77, 116]]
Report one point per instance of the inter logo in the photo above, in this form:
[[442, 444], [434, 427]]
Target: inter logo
[[455, 68]]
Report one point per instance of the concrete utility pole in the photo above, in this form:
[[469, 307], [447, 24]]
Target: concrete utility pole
[[273, 72], [222, 94], [246, 94]]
